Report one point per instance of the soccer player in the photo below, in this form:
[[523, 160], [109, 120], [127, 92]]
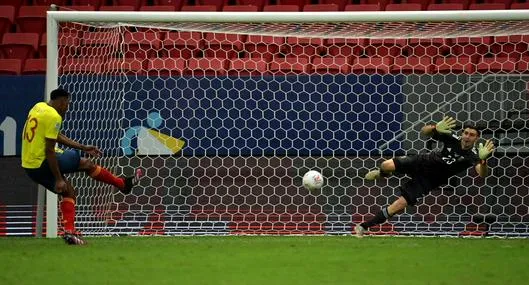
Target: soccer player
[[46, 164], [431, 170]]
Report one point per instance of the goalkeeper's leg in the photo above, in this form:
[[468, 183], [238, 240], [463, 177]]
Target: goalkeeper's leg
[[384, 214]]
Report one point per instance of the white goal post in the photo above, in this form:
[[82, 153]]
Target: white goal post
[[273, 187]]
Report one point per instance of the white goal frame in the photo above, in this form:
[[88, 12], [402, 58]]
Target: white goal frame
[[56, 17]]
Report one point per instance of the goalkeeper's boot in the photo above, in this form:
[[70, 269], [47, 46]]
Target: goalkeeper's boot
[[373, 175], [132, 181], [359, 231], [73, 239]]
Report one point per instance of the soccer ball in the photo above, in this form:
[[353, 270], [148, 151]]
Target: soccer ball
[[312, 180]]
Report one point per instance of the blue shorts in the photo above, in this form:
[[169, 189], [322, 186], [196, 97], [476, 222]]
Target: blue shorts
[[68, 163]]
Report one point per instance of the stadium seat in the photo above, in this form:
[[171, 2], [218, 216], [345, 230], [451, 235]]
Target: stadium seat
[[513, 45], [134, 3], [427, 47], [520, 5], [199, 8], [10, 66], [32, 19], [79, 8], [464, 3], [82, 65], [522, 65], [177, 4], [222, 45], [340, 3], [34, 66], [48, 2], [478, 46], [446, 6], [128, 66], [453, 64], [259, 3], [412, 65], [281, 8], [95, 3], [14, 3], [299, 3], [240, 8], [7, 18], [116, 8], [182, 44], [217, 3], [424, 3], [371, 65], [487, 6], [206, 66], [69, 43], [496, 65], [362, 7], [384, 47], [302, 47], [344, 47], [404, 7], [381, 3], [247, 67], [266, 47], [320, 8], [166, 66], [99, 44], [331, 65], [19, 45], [141, 45], [289, 65], [164, 8]]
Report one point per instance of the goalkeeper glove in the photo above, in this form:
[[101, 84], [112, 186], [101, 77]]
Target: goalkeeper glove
[[484, 151], [446, 125]]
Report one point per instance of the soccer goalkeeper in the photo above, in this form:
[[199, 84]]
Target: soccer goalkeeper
[[47, 165], [431, 170]]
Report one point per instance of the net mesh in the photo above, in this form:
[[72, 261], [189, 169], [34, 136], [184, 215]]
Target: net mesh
[[225, 120]]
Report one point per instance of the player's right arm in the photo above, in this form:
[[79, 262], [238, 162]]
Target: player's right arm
[[443, 127]]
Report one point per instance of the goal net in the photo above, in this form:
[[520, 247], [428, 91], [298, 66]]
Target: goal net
[[225, 113]]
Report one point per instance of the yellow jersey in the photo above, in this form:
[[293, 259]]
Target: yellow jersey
[[43, 122]]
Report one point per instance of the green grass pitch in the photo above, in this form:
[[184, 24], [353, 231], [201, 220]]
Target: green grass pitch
[[266, 260]]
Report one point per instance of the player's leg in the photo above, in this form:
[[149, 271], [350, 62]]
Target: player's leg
[[68, 216], [383, 215]]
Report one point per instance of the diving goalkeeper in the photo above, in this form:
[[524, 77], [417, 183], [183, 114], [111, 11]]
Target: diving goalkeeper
[[431, 170]]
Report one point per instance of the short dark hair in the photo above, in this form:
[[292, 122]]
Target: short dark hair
[[472, 126], [58, 93]]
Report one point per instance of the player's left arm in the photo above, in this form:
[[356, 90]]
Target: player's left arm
[[90, 149], [484, 152]]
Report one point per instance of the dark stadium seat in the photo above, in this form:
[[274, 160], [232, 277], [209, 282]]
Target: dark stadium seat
[[199, 8], [34, 66], [446, 6], [14, 3], [48, 2], [7, 18], [344, 47], [453, 64], [404, 7], [424, 3], [371, 65], [95, 3], [166, 66], [320, 8], [135, 3], [240, 8], [32, 19], [217, 3], [303, 47], [79, 8], [182, 44], [496, 65], [223, 45], [464, 3], [10, 66], [177, 4], [341, 3], [257, 46], [487, 6], [248, 67], [299, 3], [331, 65], [412, 65], [281, 8], [520, 5], [206, 66], [289, 65], [430, 47], [164, 8], [19, 45], [141, 45], [362, 7], [116, 8]]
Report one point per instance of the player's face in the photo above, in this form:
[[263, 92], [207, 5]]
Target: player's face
[[63, 106], [469, 138]]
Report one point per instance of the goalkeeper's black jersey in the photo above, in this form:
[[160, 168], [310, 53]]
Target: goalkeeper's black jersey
[[452, 159]]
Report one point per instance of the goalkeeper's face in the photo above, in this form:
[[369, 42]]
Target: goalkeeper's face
[[469, 138]]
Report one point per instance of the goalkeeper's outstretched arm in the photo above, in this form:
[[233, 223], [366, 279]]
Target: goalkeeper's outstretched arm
[[444, 126]]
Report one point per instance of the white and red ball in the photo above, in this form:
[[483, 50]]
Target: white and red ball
[[312, 180]]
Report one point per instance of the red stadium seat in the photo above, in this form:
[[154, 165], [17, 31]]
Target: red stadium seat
[[446, 6], [69, 43], [384, 47], [340, 3], [99, 44], [14, 3], [461, 64], [223, 45], [371, 65], [487, 6], [83, 65], [429, 47], [48, 2], [141, 45], [95, 3], [465, 3], [266, 47], [7, 18], [522, 65], [281, 8], [299, 3], [424, 3], [520, 5], [182, 44], [289, 65], [412, 65], [135, 3], [259, 3], [344, 47], [34, 66], [10, 66], [404, 7], [19, 45], [79, 8], [116, 8], [382, 3], [477, 46], [199, 8], [248, 67], [496, 65], [513, 45], [206, 66], [32, 19], [166, 66], [303, 47], [165, 8], [128, 66], [331, 65], [320, 8], [177, 4], [217, 3], [362, 7], [240, 8]]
